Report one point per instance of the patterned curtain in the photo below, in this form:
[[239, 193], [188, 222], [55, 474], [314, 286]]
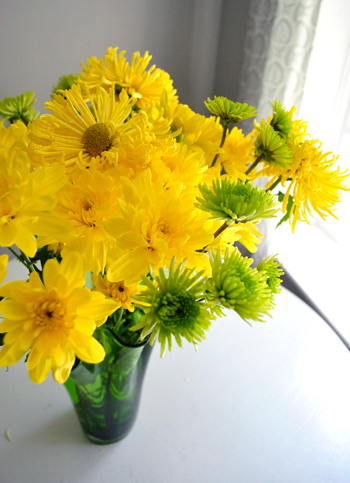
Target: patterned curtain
[[277, 51]]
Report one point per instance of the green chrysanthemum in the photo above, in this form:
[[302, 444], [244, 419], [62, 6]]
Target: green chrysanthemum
[[173, 305], [18, 108], [65, 82], [230, 112], [236, 285], [272, 273], [281, 120], [236, 201], [271, 147]]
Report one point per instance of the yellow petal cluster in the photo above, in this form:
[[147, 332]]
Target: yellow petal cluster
[[313, 179], [54, 320], [155, 225], [119, 292], [26, 195], [143, 83]]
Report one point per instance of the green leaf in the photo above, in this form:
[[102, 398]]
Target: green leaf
[[289, 207]]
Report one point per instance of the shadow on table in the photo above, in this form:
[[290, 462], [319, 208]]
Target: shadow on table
[[62, 429]]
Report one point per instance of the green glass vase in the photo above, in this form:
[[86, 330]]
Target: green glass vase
[[106, 396]]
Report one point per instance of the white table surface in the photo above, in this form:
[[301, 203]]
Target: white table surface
[[264, 404]]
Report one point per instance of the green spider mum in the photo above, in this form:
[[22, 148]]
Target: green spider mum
[[272, 148], [281, 120], [19, 108], [237, 201], [174, 306], [236, 285], [65, 82], [271, 271], [230, 112]]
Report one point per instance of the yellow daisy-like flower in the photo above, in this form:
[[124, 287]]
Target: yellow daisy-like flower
[[141, 83], [156, 224], [54, 320], [85, 204], [315, 183], [117, 291], [3, 270], [76, 134], [26, 195], [237, 154]]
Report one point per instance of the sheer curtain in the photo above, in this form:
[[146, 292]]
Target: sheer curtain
[[279, 41]]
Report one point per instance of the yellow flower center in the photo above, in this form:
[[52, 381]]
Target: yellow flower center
[[163, 231], [88, 214], [118, 291], [50, 314], [97, 139]]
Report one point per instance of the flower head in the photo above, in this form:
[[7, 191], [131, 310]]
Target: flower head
[[236, 201], [315, 182], [26, 195], [281, 120], [156, 224], [237, 155], [174, 307], [119, 292], [64, 83], [54, 320], [79, 135], [18, 108], [198, 132], [84, 204], [230, 112], [144, 84], [271, 147], [270, 269], [235, 285]]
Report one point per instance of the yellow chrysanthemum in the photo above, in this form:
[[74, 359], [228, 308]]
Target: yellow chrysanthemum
[[196, 131], [25, 195], [54, 320], [15, 133], [141, 83], [85, 204], [117, 291], [78, 135], [237, 154], [179, 167], [245, 233], [3, 264], [156, 224], [315, 183]]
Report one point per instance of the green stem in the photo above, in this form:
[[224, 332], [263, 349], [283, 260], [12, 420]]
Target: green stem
[[217, 233], [273, 186], [23, 259], [220, 230], [256, 162], [226, 125], [29, 264], [15, 254]]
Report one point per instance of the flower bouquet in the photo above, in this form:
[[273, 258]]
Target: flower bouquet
[[128, 210]]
